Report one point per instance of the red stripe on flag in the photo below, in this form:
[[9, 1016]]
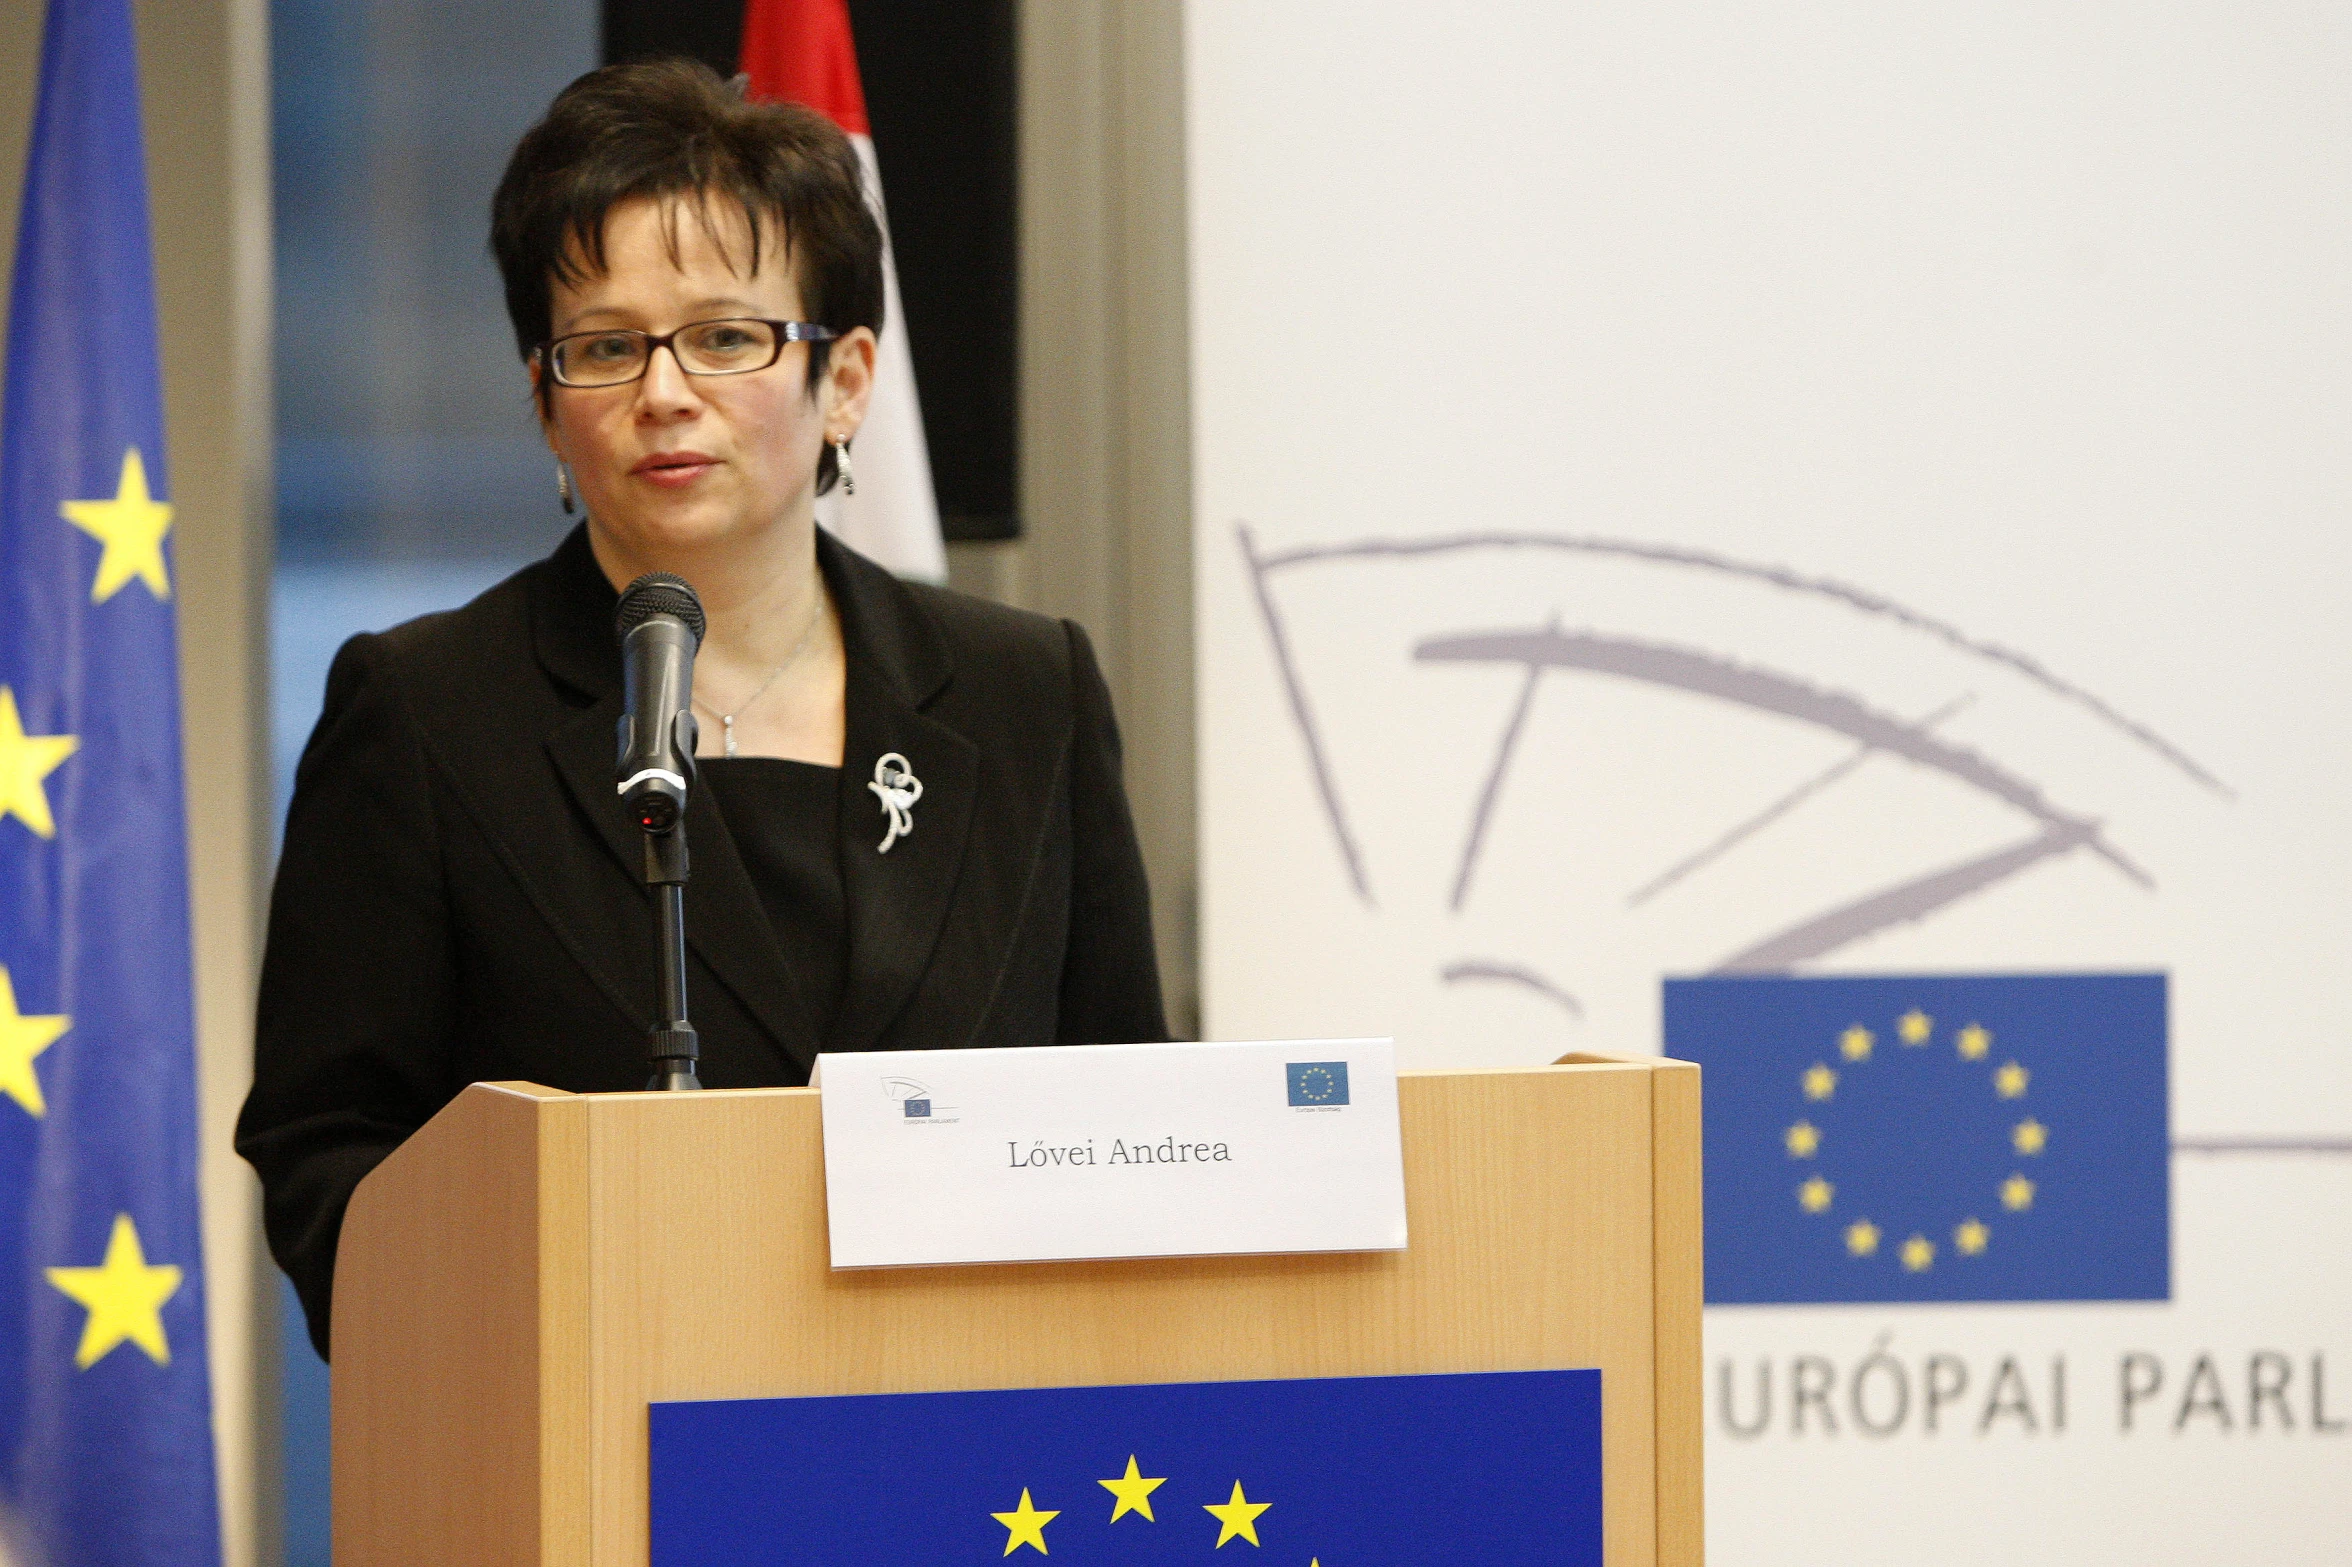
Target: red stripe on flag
[[801, 51]]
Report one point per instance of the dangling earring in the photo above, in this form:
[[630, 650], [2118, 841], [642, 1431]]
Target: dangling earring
[[563, 487], [841, 465]]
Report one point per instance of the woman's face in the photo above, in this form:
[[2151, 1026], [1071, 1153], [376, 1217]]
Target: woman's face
[[676, 464]]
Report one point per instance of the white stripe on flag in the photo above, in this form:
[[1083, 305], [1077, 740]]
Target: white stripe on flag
[[894, 517]]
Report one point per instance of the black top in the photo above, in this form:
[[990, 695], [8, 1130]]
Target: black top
[[460, 898], [786, 821]]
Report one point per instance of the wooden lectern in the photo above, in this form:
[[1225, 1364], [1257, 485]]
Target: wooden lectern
[[532, 1269]]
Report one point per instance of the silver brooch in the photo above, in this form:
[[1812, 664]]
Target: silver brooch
[[897, 787]]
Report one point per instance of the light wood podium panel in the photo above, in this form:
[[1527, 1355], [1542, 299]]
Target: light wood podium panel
[[533, 1268]]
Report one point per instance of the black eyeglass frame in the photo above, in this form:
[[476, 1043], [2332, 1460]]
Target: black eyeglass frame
[[786, 332]]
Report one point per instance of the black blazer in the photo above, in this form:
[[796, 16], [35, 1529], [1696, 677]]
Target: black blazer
[[460, 900]]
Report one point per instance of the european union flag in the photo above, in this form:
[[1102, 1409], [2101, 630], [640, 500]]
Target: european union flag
[[1317, 1083], [1932, 1138], [105, 1412], [1494, 1468]]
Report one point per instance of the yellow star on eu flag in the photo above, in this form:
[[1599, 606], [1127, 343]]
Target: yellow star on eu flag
[[1970, 1237], [1862, 1238], [25, 760], [1974, 1041], [131, 526], [1803, 1140], [2010, 1081], [1238, 1515], [1915, 1026], [1855, 1043], [1134, 1493], [125, 1297], [1815, 1195], [1025, 1526], [21, 1039], [2017, 1194], [2030, 1137], [1820, 1081], [1918, 1254]]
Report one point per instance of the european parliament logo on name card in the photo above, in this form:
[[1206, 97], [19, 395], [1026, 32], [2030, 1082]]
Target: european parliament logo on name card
[[1338, 1470], [1937, 1138]]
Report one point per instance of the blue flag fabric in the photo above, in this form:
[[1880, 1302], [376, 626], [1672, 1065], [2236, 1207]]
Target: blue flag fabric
[[105, 1408], [1494, 1468], [1941, 1138]]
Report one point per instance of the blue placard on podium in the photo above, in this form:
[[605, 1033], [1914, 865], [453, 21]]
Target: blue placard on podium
[[1495, 1468]]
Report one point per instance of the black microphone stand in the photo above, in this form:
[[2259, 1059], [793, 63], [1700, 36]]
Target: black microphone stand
[[672, 1045]]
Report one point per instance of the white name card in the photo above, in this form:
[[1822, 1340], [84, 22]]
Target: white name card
[[1070, 1151]]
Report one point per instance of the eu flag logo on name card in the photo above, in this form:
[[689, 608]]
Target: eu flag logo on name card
[[106, 1453], [1934, 1138], [1349, 1469], [1317, 1083]]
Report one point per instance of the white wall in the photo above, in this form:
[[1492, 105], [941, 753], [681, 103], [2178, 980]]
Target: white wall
[[1987, 363]]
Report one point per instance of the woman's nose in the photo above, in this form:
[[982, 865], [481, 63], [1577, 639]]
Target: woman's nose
[[666, 389]]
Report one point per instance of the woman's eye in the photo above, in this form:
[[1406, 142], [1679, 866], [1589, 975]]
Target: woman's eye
[[609, 350], [723, 339]]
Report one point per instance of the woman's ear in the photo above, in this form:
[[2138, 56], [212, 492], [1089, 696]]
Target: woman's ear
[[848, 386], [539, 405]]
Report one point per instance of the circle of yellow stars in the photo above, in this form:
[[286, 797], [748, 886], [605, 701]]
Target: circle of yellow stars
[[124, 1294], [1915, 1029], [1317, 1083], [1237, 1516]]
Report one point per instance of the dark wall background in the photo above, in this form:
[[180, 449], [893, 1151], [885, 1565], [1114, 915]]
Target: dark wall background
[[940, 90]]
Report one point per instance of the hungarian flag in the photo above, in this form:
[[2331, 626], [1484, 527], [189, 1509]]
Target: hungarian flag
[[801, 51]]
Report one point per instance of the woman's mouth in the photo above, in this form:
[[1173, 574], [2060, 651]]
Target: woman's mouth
[[674, 470]]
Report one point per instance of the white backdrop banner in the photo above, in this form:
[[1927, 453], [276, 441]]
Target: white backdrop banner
[[1841, 492]]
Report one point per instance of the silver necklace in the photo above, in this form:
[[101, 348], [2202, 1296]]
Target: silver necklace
[[727, 720]]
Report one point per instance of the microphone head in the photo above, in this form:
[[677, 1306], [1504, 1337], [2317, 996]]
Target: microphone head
[[659, 593]]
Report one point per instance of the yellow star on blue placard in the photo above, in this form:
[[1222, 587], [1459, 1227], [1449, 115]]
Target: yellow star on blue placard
[[21, 1039], [131, 526], [1025, 1525], [1239, 1516], [24, 761], [125, 1297], [1134, 1492]]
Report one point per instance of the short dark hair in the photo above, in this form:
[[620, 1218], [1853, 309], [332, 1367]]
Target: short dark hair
[[672, 128]]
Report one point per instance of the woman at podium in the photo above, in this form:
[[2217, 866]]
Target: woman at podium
[[908, 828]]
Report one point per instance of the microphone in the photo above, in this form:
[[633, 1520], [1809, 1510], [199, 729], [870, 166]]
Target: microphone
[[660, 626]]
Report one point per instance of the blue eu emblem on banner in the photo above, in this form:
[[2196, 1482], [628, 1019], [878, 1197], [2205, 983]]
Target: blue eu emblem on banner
[[1318, 1082], [1935, 1138], [1344, 1469]]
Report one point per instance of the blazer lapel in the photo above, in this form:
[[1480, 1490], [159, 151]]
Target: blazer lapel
[[725, 923], [898, 898]]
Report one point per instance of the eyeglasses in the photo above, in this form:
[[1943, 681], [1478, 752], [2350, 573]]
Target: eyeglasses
[[736, 346]]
